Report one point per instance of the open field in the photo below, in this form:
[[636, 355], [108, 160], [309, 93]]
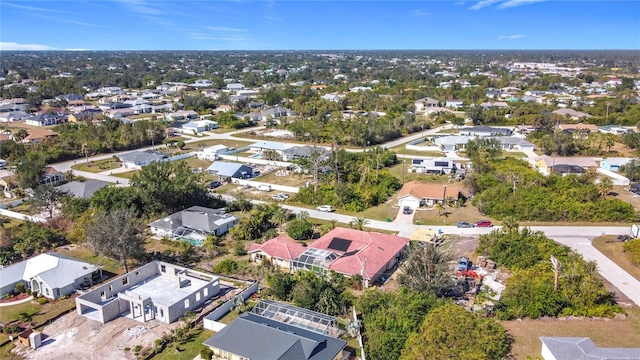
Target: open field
[[605, 333], [612, 248], [467, 212], [195, 146], [194, 163], [619, 192], [403, 150], [289, 180]]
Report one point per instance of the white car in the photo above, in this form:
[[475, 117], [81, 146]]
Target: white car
[[325, 208]]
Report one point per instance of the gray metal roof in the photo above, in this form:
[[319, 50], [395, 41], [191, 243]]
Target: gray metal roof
[[274, 340], [229, 169], [195, 217], [55, 269], [83, 189], [582, 348], [143, 157]]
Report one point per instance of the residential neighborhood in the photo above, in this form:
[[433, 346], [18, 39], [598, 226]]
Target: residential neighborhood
[[319, 205]]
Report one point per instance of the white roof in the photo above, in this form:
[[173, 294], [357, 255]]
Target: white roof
[[271, 145], [55, 269]]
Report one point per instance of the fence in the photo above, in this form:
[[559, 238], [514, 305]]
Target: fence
[[183, 156], [211, 321], [290, 189]]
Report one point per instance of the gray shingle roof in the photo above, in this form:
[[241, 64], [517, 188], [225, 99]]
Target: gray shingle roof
[[195, 217], [274, 340], [582, 348], [84, 189], [143, 157], [55, 269]]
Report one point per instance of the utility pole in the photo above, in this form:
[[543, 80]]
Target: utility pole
[[402, 169]]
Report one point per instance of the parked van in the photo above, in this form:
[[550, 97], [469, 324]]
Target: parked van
[[264, 187], [3, 163]]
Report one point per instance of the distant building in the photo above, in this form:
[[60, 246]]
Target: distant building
[[140, 158], [582, 348], [194, 224], [83, 189]]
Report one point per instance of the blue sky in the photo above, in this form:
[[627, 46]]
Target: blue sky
[[299, 25]]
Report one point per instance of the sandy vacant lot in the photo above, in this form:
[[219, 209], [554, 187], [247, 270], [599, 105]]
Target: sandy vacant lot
[[76, 337]]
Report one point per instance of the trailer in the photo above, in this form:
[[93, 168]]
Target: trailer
[[635, 231]]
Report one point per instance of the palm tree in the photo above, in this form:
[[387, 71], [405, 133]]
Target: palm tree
[[333, 223], [302, 215], [20, 135], [440, 207], [605, 186], [279, 218], [359, 223]]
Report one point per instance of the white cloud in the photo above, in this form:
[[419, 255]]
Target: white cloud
[[513, 3], [224, 29], [503, 4], [8, 46], [482, 4], [419, 12], [510, 37]]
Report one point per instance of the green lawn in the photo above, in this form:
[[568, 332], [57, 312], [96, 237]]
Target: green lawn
[[188, 350], [195, 146], [97, 166], [612, 248], [84, 254], [194, 163], [39, 314], [403, 150], [126, 175], [292, 179]]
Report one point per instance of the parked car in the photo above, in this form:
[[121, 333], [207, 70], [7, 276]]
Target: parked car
[[214, 184], [325, 208], [406, 210], [278, 197], [483, 223], [464, 224], [624, 237], [284, 195], [463, 264]]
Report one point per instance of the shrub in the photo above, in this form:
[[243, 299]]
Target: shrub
[[632, 248], [11, 329], [300, 229], [226, 266], [206, 353], [20, 288], [137, 348], [28, 291], [63, 297], [42, 300], [8, 295], [127, 349]]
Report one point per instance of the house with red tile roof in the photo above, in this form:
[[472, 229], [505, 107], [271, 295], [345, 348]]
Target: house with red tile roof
[[346, 251], [415, 194], [279, 251]]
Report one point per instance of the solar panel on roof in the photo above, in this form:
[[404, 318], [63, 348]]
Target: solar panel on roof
[[416, 161], [339, 244]]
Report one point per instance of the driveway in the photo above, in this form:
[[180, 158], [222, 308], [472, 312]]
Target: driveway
[[402, 218], [609, 270]]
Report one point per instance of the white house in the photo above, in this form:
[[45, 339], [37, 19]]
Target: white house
[[197, 127], [51, 275], [212, 152], [278, 147], [427, 102], [454, 103]]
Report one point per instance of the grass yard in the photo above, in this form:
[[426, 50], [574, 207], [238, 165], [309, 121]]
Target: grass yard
[[126, 175], [466, 213], [97, 166], [84, 254], [515, 154], [39, 314], [195, 146], [605, 333], [380, 212], [619, 192], [613, 249], [290, 180], [188, 350], [194, 163], [403, 150]]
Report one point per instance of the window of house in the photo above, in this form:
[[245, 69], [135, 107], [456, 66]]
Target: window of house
[[163, 268], [125, 280], [46, 291], [137, 273], [161, 313], [110, 287], [186, 303], [206, 292], [198, 296]]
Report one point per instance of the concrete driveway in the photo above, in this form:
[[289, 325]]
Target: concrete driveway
[[402, 218]]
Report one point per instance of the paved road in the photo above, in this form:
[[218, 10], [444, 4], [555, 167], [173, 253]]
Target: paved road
[[609, 270], [577, 237]]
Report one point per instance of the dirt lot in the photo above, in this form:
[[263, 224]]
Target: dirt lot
[[76, 337]]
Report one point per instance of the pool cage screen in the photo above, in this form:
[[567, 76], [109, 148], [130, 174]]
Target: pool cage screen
[[314, 260], [298, 317]]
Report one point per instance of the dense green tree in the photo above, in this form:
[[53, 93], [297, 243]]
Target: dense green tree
[[169, 187], [117, 234], [426, 269], [30, 170], [300, 229], [389, 318], [451, 332]]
